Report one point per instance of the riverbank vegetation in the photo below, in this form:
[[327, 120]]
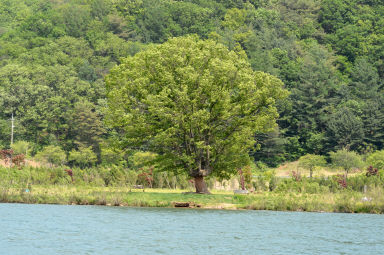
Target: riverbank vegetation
[[343, 201], [362, 192]]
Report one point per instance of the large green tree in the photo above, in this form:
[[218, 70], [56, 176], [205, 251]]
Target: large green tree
[[193, 102]]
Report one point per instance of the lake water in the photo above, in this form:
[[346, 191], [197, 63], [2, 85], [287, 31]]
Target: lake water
[[59, 229]]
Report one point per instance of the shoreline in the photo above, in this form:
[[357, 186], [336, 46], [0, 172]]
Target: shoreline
[[186, 208]]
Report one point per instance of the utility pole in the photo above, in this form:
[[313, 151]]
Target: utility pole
[[12, 127]]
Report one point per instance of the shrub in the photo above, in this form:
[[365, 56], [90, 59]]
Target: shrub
[[118, 176], [273, 183], [111, 156], [131, 178], [51, 154], [146, 177], [261, 166], [260, 183], [341, 180], [372, 171], [376, 159], [84, 157], [20, 147]]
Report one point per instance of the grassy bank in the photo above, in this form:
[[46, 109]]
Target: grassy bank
[[100, 186], [350, 202]]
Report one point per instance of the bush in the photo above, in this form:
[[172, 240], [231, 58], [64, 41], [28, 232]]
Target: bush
[[260, 184], [20, 147], [118, 177], [131, 178], [111, 157], [376, 160], [290, 185], [261, 166], [53, 155], [273, 183], [84, 157]]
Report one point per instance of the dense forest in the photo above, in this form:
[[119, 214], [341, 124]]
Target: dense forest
[[55, 54]]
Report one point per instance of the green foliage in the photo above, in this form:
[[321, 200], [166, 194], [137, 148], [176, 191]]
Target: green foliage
[[162, 20], [308, 186], [143, 159], [271, 148], [111, 156], [311, 161], [265, 179], [247, 173], [132, 178], [51, 154], [376, 159], [84, 157], [193, 102], [21, 147], [346, 160], [346, 128], [87, 127]]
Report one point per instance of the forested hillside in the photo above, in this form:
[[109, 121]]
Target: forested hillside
[[329, 54]]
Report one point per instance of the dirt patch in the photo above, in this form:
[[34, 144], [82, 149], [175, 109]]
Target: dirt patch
[[27, 163], [226, 206]]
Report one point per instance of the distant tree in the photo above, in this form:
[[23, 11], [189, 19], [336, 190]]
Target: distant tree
[[311, 161], [100, 8], [346, 159], [316, 143], [87, 126], [83, 157], [334, 14], [366, 89], [76, 17], [345, 128], [313, 92], [271, 148]]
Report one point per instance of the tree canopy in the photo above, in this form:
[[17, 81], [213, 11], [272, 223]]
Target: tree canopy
[[193, 102]]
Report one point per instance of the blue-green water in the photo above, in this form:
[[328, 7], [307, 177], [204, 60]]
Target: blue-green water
[[57, 229]]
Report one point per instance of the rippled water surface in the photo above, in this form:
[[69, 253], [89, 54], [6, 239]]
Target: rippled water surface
[[57, 229]]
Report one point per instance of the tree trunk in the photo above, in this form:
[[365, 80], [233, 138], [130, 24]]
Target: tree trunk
[[200, 185], [310, 173]]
